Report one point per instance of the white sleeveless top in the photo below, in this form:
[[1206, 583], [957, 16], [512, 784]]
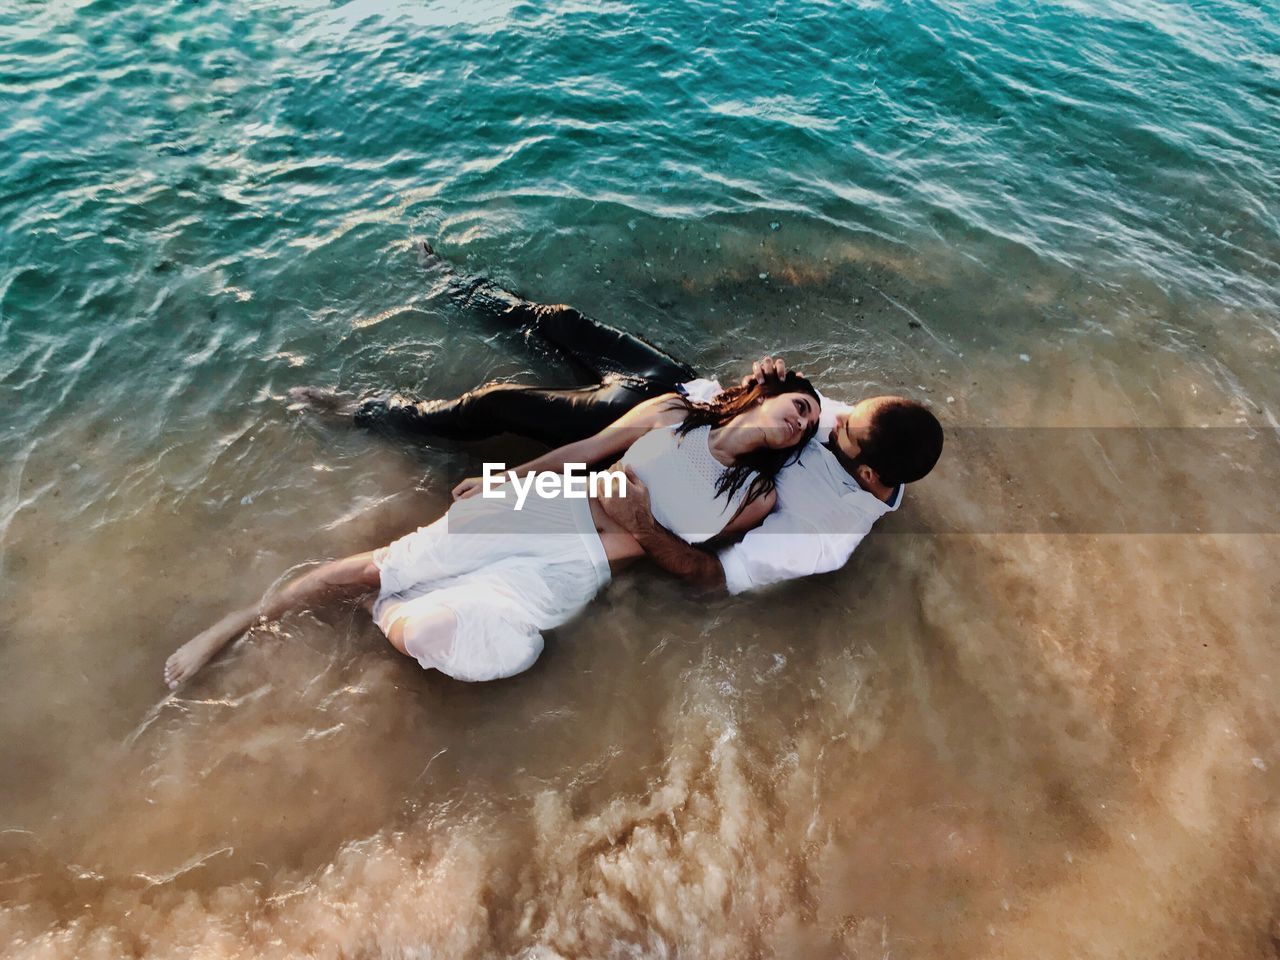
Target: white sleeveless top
[[681, 475]]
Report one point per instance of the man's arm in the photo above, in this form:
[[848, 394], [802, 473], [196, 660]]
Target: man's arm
[[673, 555], [663, 547]]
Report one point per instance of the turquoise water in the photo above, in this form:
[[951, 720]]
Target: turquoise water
[[1028, 215], [205, 203], [225, 184]]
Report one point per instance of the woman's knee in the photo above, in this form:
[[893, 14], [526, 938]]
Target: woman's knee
[[427, 636]]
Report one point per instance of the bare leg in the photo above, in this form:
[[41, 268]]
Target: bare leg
[[353, 575]]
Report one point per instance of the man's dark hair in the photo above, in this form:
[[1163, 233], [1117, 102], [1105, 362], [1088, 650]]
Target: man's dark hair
[[903, 443]]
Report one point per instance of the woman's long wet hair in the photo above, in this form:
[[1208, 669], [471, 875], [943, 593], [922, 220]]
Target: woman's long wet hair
[[764, 462]]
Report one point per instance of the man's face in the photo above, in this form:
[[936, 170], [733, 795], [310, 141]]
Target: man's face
[[854, 427]]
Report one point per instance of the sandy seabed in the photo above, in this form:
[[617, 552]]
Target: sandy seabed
[[962, 745]]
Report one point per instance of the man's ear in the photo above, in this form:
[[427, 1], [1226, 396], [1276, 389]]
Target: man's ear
[[867, 476]]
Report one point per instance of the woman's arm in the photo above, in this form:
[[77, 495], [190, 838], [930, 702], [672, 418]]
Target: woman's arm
[[661, 411], [748, 518]]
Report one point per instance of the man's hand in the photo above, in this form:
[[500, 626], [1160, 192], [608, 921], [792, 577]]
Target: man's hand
[[766, 368], [633, 512], [468, 488]]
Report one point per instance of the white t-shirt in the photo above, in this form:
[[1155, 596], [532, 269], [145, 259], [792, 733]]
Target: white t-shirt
[[821, 517]]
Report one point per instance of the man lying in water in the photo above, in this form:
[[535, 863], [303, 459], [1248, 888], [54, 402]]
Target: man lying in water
[[849, 476]]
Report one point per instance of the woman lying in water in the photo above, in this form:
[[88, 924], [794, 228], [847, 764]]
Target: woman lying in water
[[470, 594]]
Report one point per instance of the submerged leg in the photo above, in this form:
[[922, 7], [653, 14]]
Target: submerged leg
[[324, 400], [596, 349], [552, 416], [602, 350], [624, 369], [350, 576]]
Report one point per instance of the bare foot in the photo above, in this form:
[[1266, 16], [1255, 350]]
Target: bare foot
[[322, 400], [184, 662]]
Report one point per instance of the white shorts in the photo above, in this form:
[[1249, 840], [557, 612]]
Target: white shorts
[[505, 575]]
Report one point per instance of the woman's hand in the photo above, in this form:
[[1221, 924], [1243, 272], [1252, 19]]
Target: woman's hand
[[468, 488]]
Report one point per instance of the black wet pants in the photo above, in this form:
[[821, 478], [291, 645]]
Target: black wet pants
[[618, 370]]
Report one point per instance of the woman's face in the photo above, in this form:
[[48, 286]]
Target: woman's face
[[784, 419]]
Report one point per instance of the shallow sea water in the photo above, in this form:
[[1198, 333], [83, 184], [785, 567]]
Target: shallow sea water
[[965, 744]]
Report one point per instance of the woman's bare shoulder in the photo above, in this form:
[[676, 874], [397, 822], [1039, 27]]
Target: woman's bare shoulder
[[665, 410]]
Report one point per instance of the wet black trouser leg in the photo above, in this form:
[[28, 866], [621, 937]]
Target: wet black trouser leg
[[620, 371]]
